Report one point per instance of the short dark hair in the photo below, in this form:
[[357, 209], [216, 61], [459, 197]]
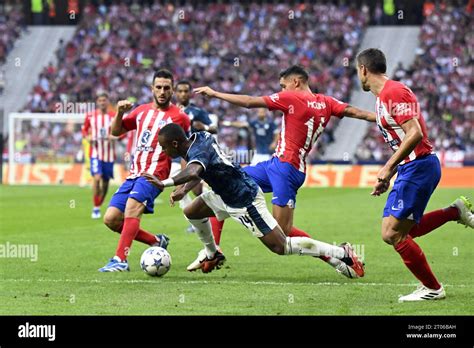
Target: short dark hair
[[184, 82], [172, 131], [164, 73], [373, 59], [295, 70], [102, 94]]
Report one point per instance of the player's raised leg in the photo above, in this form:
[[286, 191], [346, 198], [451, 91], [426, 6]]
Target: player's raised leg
[[460, 210], [466, 215], [285, 181], [263, 225]]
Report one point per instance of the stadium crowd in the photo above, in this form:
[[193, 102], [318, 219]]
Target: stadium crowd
[[441, 77], [11, 26], [38, 141], [229, 46]]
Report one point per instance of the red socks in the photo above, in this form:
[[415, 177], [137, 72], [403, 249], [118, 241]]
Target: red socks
[[411, 253], [145, 237], [130, 229], [142, 236], [415, 260], [295, 232], [433, 220], [217, 229], [102, 198], [97, 200]]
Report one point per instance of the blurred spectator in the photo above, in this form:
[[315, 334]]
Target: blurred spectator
[[233, 47], [441, 77], [38, 141], [11, 26]]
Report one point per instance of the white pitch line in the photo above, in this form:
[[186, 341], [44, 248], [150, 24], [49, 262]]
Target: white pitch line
[[223, 282]]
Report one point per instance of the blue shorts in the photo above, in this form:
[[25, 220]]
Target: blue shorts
[[278, 177], [140, 190], [104, 169], [413, 188]]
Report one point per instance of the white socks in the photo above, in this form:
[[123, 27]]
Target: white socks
[[308, 246], [204, 232]]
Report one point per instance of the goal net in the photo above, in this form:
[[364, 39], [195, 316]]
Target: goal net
[[48, 148]]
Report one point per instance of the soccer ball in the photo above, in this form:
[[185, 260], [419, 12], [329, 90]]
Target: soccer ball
[[155, 261]]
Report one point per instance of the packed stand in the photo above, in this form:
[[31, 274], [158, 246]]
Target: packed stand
[[232, 47], [441, 78], [11, 26], [48, 142]]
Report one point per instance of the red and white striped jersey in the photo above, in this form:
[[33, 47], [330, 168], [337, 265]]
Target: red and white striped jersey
[[395, 105], [148, 155], [305, 115], [131, 142], [98, 125]]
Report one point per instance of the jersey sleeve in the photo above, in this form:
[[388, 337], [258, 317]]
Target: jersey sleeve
[[199, 154], [403, 105], [86, 126], [335, 106], [129, 122], [279, 101]]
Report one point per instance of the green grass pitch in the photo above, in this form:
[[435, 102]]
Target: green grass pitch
[[71, 247]]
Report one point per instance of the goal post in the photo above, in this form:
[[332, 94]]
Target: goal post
[[47, 148]]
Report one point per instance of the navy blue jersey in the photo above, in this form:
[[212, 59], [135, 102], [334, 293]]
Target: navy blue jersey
[[195, 113], [264, 133], [236, 188]]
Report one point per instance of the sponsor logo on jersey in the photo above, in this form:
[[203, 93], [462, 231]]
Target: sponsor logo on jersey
[[145, 137]]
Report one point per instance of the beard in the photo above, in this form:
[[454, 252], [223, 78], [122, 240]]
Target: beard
[[163, 104]]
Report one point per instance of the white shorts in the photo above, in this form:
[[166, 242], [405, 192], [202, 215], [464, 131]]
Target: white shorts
[[258, 157], [255, 218]]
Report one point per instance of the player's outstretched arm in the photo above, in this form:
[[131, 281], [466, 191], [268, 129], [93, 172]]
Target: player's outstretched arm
[[353, 112], [190, 173], [245, 101], [188, 176], [116, 127]]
